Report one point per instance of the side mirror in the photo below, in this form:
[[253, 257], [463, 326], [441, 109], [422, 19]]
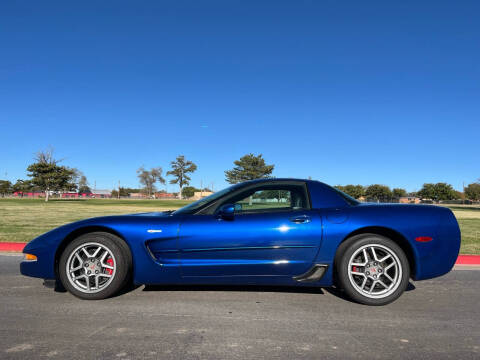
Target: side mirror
[[226, 212]]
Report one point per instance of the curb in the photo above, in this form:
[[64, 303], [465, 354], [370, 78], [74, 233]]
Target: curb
[[468, 260], [12, 246], [18, 247]]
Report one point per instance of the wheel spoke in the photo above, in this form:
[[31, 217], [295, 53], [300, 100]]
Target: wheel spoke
[[107, 266], [388, 276], [105, 275], [383, 284], [388, 256], [359, 264], [103, 256], [389, 266], [374, 253], [76, 268], [80, 277], [358, 273], [86, 252], [96, 282], [97, 251], [364, 283], [365, 255], [372, 286]]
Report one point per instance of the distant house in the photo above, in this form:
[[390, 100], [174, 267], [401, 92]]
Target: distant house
[[30, 194], [409, 200], [101, 194], [70, 195], [164, 195], [200, 194], [137, 196]]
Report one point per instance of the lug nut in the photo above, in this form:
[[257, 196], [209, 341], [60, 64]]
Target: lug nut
[[86, 264], [367, 272], [89, 272], [96, 271], [375, 263], [374, 276], [379, 270]]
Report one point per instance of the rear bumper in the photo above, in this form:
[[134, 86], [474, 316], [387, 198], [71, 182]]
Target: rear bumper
[[438, 257]]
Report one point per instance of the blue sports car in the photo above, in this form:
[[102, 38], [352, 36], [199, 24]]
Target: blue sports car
[[264, 232]]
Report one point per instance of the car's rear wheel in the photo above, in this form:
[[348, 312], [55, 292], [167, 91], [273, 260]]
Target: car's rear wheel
[[95, 266], [372, 269]]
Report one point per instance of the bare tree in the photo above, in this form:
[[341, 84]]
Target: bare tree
[[148, 178]]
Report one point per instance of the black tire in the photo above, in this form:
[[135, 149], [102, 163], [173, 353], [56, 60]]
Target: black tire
[[352, 284], [123, 265]]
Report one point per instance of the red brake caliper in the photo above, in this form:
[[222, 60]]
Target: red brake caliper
[[109, 262]]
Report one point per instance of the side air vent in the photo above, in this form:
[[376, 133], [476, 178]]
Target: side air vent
[[314, 274]]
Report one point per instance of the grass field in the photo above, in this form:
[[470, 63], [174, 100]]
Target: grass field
[[23, 219]]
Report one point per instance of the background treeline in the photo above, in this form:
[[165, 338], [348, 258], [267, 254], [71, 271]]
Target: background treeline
[[434, 192], [48, 175]]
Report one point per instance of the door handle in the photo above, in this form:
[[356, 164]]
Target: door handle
[[302, 219]]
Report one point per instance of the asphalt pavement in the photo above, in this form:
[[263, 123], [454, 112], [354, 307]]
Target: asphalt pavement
[[434, 319]]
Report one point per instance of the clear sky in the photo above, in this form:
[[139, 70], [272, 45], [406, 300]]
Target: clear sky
[[342, 91]]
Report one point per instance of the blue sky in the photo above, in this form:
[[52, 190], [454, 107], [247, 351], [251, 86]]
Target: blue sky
[[342, 91]]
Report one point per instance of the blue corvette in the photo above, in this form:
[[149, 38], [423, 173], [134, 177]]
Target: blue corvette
[[264, 232]]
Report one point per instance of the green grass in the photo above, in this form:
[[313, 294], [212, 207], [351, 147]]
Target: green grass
[[23, 219]]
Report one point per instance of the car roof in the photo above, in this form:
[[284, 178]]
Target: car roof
[[266, 180]]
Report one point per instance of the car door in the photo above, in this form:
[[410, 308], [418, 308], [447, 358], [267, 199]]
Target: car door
[[273, 232]]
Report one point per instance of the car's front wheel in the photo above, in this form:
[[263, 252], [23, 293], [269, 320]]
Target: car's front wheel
[[95, 266], [372, 269]]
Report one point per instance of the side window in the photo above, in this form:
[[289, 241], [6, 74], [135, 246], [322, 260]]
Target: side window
[[272, 199]]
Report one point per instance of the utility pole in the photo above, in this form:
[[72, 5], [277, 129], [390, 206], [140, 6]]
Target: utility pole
[[118, 189], [201, 189]]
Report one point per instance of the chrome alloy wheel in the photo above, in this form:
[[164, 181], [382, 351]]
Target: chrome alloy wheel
[[91, 267], [374, 271]]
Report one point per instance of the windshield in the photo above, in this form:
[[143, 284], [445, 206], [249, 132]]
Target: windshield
[[190, 208]]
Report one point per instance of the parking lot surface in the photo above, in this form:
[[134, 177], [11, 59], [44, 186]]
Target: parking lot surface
[[435, 319]]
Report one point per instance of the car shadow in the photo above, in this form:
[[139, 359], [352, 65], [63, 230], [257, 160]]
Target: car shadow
[[242, 288]]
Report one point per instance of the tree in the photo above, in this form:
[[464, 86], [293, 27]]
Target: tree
[[378, 192], [355, 191], [48, 175], [180, 170], [189, 191], [83, 187], [472, 191], [23, 186], [437, 192], [427, 191], [398, 192], [148, 178], [5, 187], [249, 167]]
